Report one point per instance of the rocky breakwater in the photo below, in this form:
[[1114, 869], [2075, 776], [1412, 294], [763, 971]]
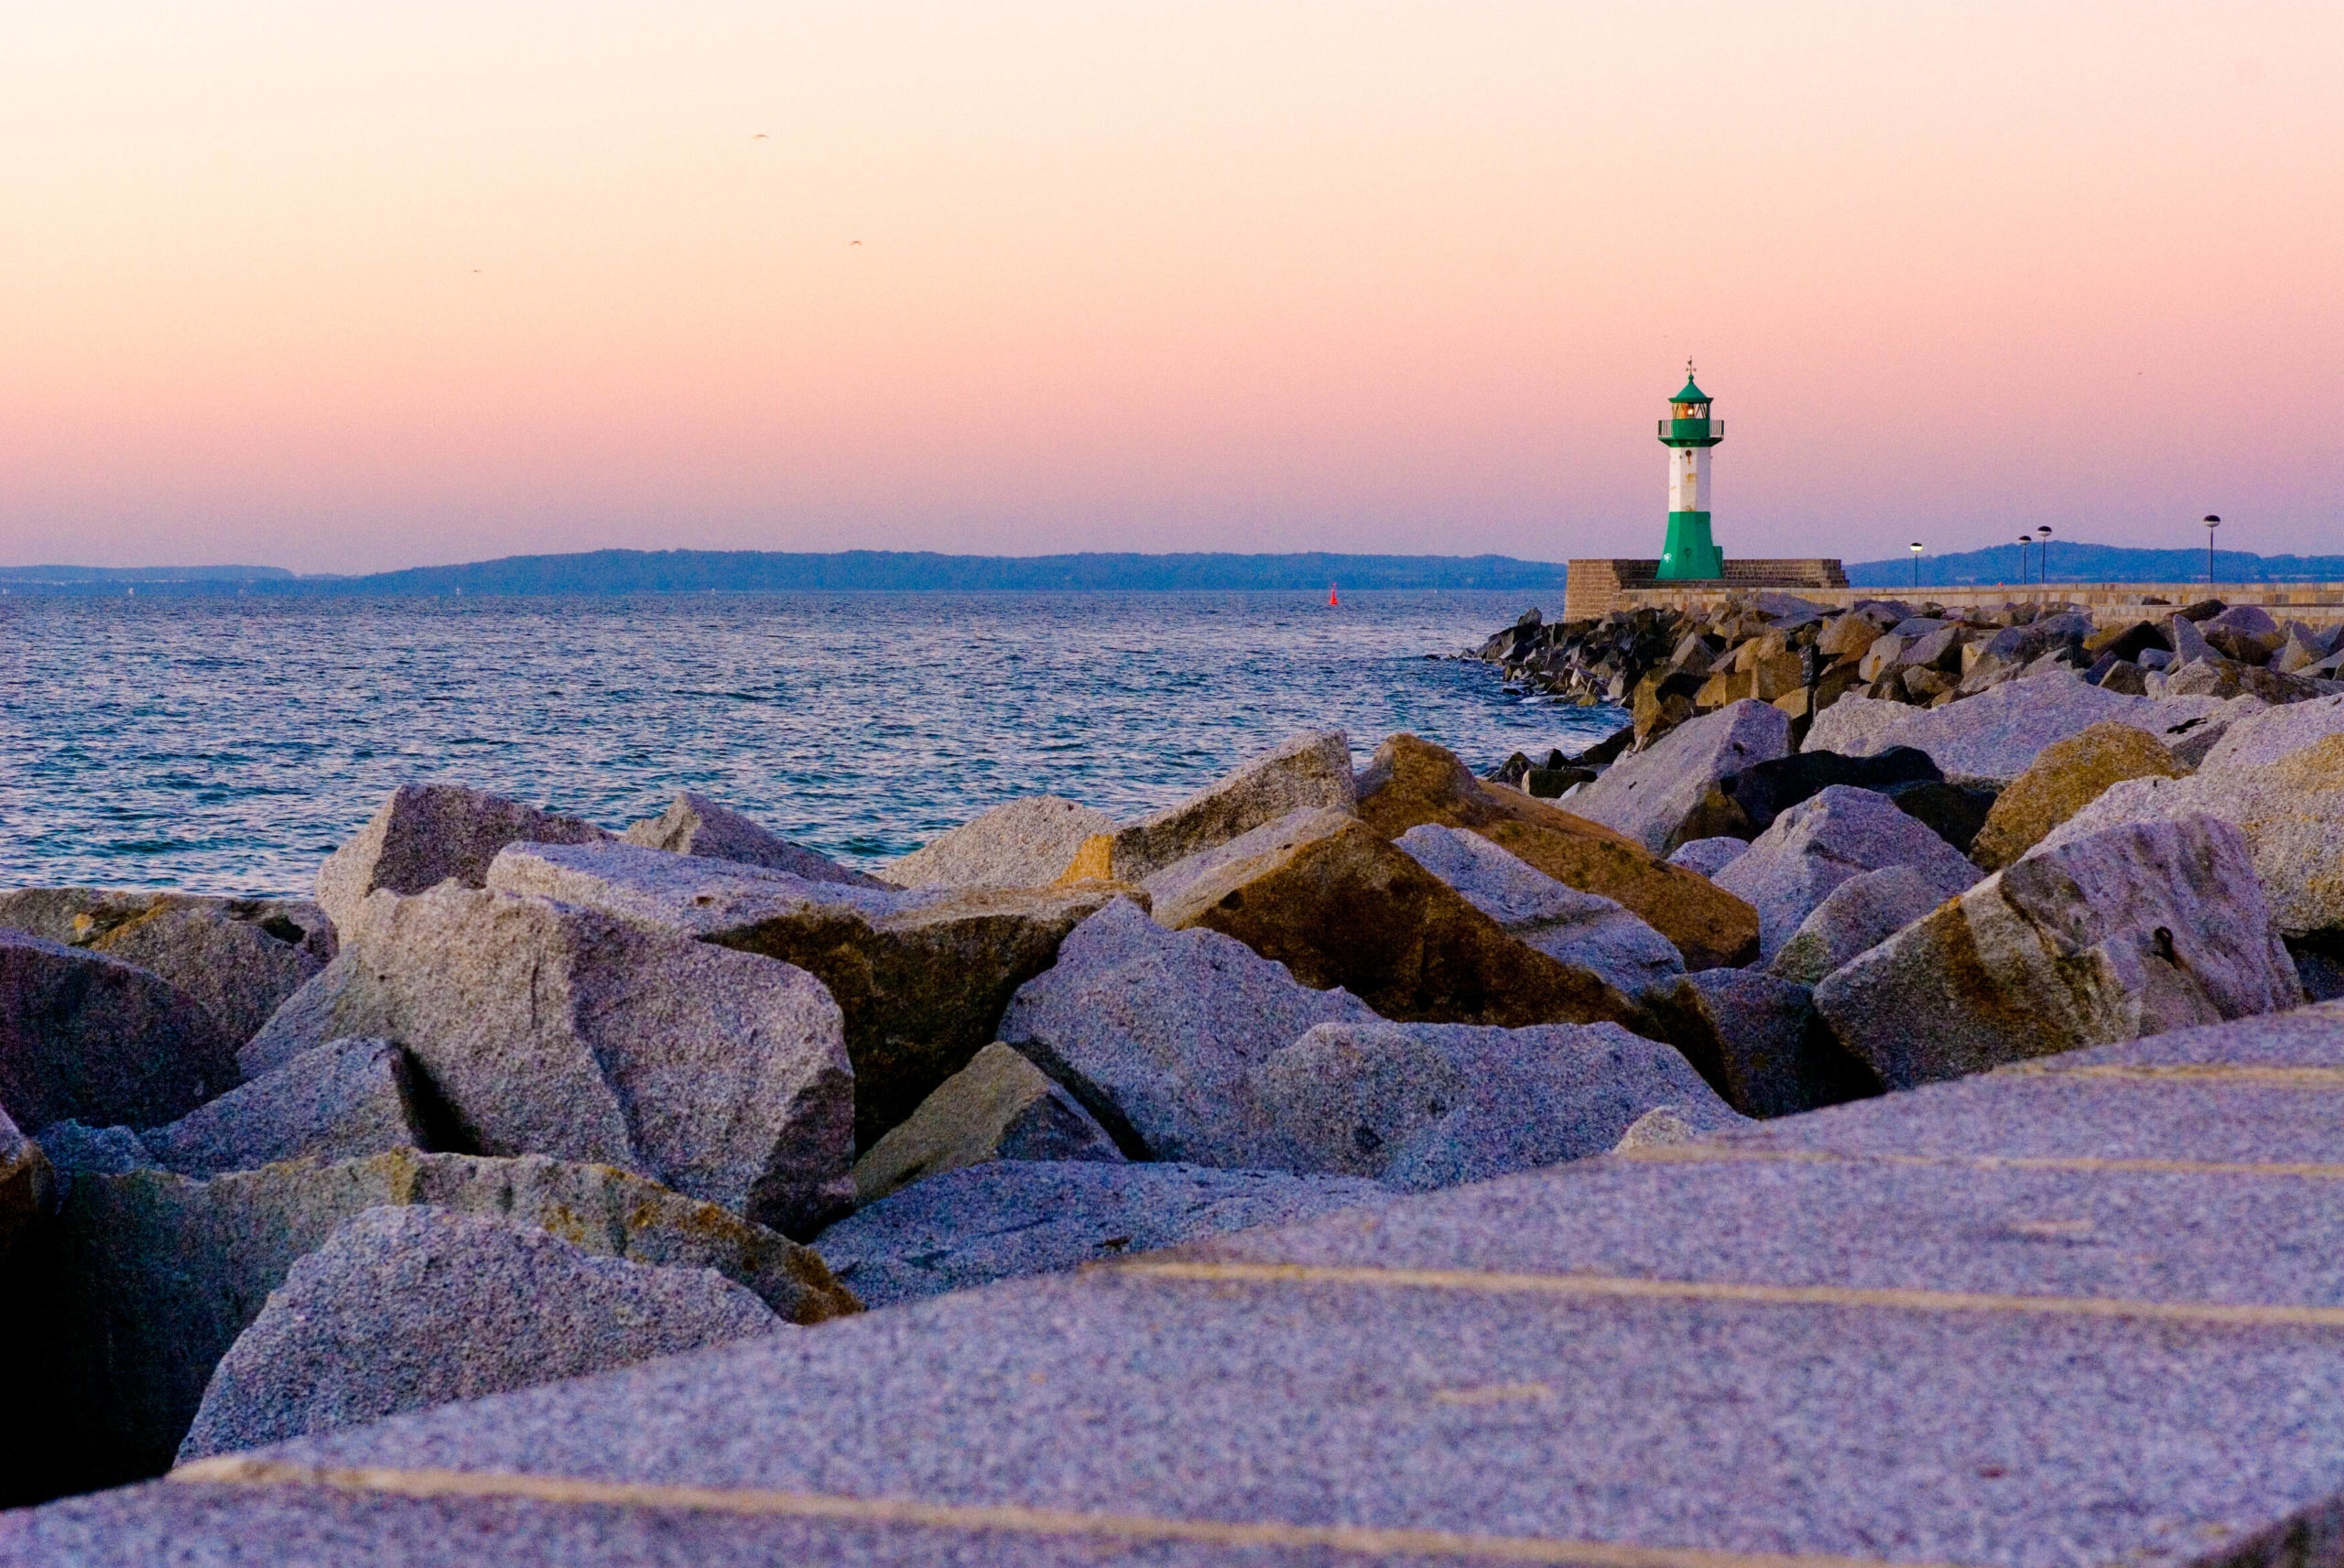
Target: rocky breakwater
[[521, 1098]]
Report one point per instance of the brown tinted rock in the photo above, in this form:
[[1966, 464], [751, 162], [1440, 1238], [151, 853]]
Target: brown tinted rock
[[2132, 931], [428, 833], [88, 1038], [922, 978], [239, 957], [143, 1280], [1027, 843], [1338, 905], [1307, 772], [24, 1184], [999, 1106], [2065, 777], [551, 1029], [1410, 783], [695, 825]]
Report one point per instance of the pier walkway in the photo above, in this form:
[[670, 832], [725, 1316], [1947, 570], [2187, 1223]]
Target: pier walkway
[[2089, 1311]]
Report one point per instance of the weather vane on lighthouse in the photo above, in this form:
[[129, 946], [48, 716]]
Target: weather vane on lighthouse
[[1689, 433]]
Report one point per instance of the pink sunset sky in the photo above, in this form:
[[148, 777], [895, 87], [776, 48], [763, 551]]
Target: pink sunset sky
[[343, 288]]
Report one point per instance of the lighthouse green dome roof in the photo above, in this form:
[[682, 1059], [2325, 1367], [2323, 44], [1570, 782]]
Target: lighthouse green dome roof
[[1692, 394]]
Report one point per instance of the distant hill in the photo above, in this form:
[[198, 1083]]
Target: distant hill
[[762, 572], [144, 574], [2094, 563]]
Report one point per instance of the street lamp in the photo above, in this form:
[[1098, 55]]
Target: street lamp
[[2022, 540], [1916, 563], [2212, 523], [2043, 562]]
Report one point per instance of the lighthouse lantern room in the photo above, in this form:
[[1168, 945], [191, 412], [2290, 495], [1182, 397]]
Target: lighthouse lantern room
[[1689, 433]]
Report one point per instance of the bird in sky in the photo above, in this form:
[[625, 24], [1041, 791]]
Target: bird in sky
[[760, 136], [854, 242]]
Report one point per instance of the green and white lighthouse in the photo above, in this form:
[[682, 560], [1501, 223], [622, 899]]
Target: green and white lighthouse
[[1689, 433]]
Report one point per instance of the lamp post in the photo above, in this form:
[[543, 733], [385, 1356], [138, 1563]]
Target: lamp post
[[2043, 557], [2212, 523], [2022, 539], [1916, 563]]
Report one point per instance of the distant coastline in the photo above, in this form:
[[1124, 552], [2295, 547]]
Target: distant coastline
[[848, 571]]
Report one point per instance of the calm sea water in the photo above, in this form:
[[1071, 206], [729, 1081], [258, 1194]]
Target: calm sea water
[[227, 745]]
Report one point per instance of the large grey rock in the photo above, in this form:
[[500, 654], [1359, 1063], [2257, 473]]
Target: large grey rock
[[1419, 1106], [2266, 736], [1823, 841], [551, 1029], [428, 834], [709, 829], [88, 1038], [143, 1280], [1027, 843], [336, 1101], [237, 956], [24, 1184], [1858, 726], [1307, 772], [405, 1308], [2291, 810], [922, 977], [1992, 737], [1707, 856], [1009, 1218], [1861, 912], [2131, 931], [1753, 1037], [1582, 928], [1157, 1031], [999, 1106], [74, 1149], [1649, 796]]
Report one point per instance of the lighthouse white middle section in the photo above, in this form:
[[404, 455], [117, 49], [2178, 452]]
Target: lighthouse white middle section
[[1688, 478]]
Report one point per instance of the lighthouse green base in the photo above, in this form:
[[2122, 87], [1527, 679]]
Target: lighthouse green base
[[1689, 552]]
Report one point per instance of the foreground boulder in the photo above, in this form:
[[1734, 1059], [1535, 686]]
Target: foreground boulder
[[2132, 931], [1754, 1038], [1320, 893], [1817, 845], [1419, 1106], [342, 1101], [999, 1106], [2291, 810], [1861, 912], [2065, 777], [1411, 783], [922, 978], [428, 833], [238, 958], [1027, 843], [1010, 1218], [143, 1280], [549, 1029], [2255, 739], [88, 1038], [405, 1308], [1307, 772], [1157, 1033], [1655, 796], [695, 825], [1581, 929]]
